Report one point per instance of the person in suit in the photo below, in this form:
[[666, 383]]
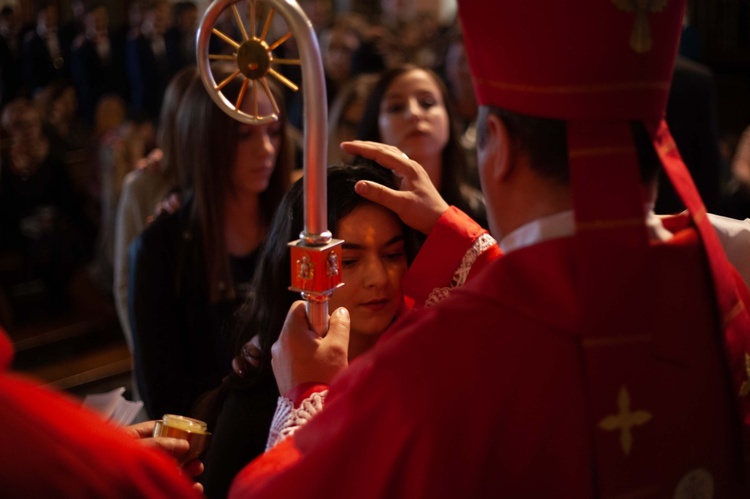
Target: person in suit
[[10, 56], [42, 50], [180, 37], [148, 61], [96, 63]]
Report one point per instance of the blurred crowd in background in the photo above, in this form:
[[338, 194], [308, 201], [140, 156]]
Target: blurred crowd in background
[[81, 101]]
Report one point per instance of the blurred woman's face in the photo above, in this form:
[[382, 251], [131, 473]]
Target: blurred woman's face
[[413, 118], [26, 128], [257, 149], [338, 48]]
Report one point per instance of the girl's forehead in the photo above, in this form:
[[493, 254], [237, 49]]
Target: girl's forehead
[[413, 76], [369, 223], [413, 82]]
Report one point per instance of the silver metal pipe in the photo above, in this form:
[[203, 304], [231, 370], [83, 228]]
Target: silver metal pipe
[[315, 106], [316, 231]]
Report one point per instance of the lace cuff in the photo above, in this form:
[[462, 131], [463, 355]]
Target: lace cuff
[[483, 242], [287, 419]]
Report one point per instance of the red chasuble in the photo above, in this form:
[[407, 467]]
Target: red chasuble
[[602, 365], [497, 393], [599, 365], [51, 447]]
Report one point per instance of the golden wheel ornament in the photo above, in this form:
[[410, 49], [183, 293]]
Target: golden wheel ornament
[[252, 54], [255, 63]]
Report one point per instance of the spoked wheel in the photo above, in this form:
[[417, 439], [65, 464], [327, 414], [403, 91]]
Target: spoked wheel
[[254, 60], [252, 55]]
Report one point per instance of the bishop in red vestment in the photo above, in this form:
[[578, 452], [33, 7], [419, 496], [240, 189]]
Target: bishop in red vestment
[[606, 354]]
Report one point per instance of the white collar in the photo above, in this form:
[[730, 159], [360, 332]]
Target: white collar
[[563, 225]]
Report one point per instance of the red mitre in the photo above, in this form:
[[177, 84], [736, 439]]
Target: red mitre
[[597, 64], [585, 59]]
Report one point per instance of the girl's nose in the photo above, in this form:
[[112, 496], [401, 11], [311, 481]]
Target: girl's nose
[[376, 274], [413, 110], [265, 146]]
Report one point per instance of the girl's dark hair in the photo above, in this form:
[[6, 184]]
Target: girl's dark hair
[[165, 136], [455, 187], [206, 144], [264, 313]]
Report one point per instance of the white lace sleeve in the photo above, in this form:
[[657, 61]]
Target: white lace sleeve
[[482, 243], [287, 419]]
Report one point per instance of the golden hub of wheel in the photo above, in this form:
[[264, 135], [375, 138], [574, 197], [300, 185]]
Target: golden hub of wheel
[[253, 58]]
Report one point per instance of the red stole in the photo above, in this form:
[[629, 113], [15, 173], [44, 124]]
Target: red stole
[[638, 305]]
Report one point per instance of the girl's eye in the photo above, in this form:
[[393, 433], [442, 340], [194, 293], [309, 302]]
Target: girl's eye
[[348, 262], [274, 131], [394, 255], [395, 107], [245, 133], [428, 102]]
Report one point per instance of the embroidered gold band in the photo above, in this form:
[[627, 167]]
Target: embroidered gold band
[[599, 151], [635, 494], [616, 341], [609, 224], [575, 89], [668, 147], [700, 215]]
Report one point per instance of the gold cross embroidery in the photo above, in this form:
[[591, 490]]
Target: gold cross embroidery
[[745, 388], [640, 37], [625, 420]]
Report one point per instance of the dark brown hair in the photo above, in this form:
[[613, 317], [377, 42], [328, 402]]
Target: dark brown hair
[[165, 135], [206, 149], [454, 187]]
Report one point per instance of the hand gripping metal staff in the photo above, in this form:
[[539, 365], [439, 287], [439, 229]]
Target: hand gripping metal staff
[[316, 256]]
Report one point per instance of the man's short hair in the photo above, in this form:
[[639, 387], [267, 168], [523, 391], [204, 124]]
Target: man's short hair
[[544, 140]]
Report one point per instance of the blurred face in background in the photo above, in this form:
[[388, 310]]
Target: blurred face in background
[[28, 145], [8, 23], [338, 46], [397, 10], [48, 17], [257, 149], [79, 8], [320, 12], [24, 125], [97, 21], [156, 19], [65, 107], [188, 20], [457, 68], [413, 118]]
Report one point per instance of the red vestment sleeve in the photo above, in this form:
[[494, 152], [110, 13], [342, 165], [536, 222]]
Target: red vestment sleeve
[[255, 475], [441, 254], [54, 448]]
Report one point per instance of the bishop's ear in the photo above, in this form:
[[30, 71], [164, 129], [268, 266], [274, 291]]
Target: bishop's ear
[[497, 153]]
